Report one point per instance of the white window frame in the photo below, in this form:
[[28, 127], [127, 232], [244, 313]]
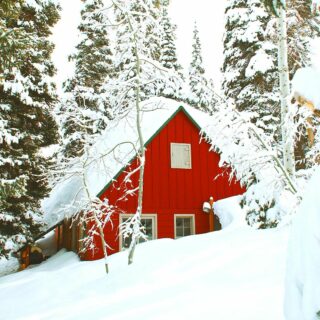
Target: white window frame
[[153, 216], [184, 215], [186, 165]]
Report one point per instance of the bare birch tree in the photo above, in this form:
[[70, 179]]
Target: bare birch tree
[[75, 179], [138, 75], [278, 8]]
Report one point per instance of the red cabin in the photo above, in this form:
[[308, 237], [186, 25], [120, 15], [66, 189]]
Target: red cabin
[[181, 173]]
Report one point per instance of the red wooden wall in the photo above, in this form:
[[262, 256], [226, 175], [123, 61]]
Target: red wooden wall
[[170, 191]]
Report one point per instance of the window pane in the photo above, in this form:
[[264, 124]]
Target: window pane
[[187, 231], [179, 232], [147, 224], [184, 226], [146, 228], [126, 242], [179, 222], [187, 222]]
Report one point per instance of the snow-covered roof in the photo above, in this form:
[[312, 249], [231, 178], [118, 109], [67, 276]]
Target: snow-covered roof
[[306, 83], [102, 162]]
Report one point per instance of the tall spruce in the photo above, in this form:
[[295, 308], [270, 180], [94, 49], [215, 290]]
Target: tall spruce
[[201, 91], [251, 83], [147, 37], [251, 75], [303, 27], [250, 49], [12, 39], [85, 111], [168, 57], [250, 64], [27, 124]]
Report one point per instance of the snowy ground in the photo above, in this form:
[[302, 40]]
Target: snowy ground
[[237, 273]]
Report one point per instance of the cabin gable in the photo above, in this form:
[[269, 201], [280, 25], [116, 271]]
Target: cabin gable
[[170, 193]]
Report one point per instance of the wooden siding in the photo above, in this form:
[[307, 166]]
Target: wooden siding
[[170, 191]]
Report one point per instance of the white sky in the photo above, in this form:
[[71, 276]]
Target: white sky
[[207, 13]]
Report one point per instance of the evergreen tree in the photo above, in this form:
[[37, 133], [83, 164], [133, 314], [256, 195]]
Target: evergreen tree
[[250, 50], [11, 39], [86, 110], [27, 124], [145, 20], [251, 75], [250, 64], [251, 82], [201, 93], [168, 58], [303, 26]]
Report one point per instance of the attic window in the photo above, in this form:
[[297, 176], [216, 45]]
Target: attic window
[[180, 155]]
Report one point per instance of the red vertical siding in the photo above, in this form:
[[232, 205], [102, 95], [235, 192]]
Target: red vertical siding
[[170, 191]]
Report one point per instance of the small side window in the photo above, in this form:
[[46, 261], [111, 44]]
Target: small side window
[[180, 155], [149, 225], [184, 225]]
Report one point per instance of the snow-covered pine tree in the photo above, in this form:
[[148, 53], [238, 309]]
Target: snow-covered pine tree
[[250, 64], [303, 27], [251, 71], [201, 95], [11, 39], [297, 26], [168, 57], [27, 125], [85, 110], [148, 38], [251, 81]]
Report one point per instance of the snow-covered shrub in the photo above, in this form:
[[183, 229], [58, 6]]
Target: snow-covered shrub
[[254, 162]]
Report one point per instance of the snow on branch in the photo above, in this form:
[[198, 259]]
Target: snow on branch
[[253, 160]]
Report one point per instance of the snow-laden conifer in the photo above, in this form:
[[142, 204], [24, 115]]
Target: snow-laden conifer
[[146, 22], [250, 64], [255, 162], [200, 88], [27, 124], [168, 57], [11, 38], [84, 113]]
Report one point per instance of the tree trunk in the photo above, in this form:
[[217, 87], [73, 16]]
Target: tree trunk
[[141, 154], [98, 224], [286, 113]]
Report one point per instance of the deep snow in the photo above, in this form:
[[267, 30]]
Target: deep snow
[[236, 273], [302, 299]]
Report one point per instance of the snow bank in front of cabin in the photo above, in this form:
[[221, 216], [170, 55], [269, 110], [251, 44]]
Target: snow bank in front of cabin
[[229, 212], [101, 163], [8, 266], [302, 300], [236, 272]]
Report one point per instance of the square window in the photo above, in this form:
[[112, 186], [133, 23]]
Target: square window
[[184, 226], [180, 155], [149, 229]]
